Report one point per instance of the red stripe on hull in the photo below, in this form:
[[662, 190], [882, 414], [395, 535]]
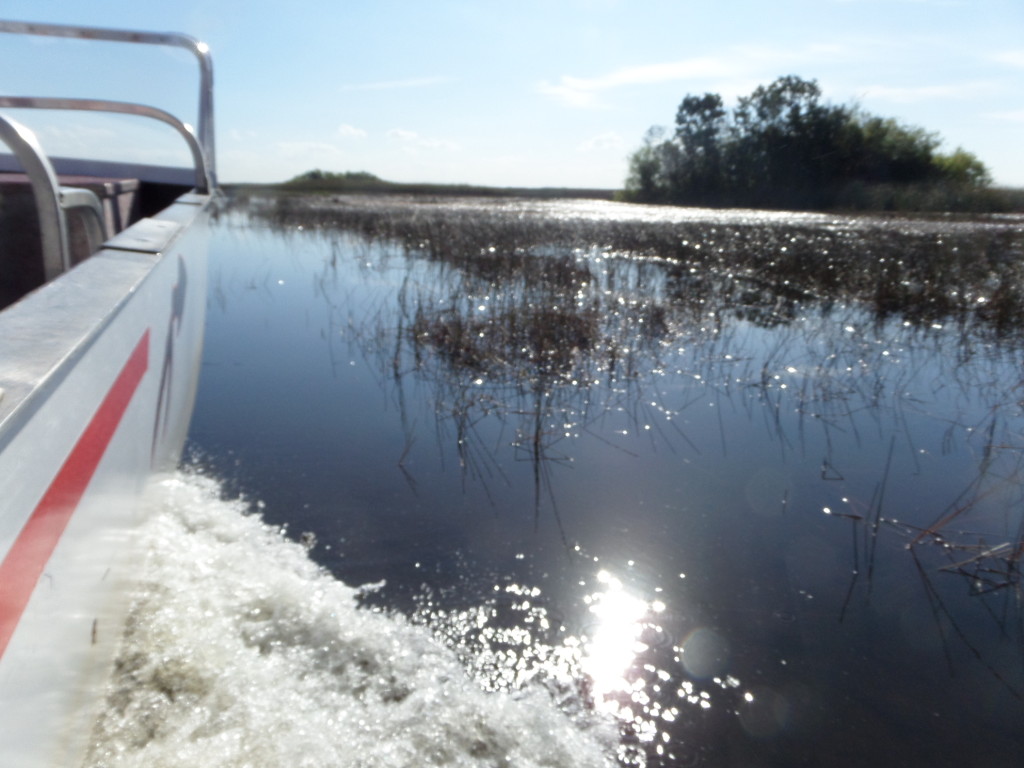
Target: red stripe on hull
[[24, 564]]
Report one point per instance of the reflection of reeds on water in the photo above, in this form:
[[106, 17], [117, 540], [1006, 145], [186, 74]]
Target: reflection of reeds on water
[[987, 568], [991, 570]]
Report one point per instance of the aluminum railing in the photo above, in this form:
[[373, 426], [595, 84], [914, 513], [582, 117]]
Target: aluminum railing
[[51, 199], [203, 180], [204, 130]]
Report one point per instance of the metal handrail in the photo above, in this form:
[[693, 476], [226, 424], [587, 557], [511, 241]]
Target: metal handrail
[[204, 181], [199, 49], [53, 229]]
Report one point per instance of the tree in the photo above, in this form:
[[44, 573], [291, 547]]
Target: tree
[[962, 167], [647, 169], [782, 146], [700, 128], [787, 102], [787, 144], [891, 152]]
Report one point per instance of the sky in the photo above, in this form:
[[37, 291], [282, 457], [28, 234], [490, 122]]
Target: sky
[[536, 92]]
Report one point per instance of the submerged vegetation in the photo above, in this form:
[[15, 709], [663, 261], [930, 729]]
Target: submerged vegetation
[[783, 147]]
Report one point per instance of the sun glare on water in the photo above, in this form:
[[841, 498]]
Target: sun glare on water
[[612, 649]]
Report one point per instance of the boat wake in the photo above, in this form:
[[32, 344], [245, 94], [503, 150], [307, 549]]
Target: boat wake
[[240, 651]]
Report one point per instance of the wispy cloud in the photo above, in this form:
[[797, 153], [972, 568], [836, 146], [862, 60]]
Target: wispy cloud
[[1013, 115], [384, 85], [603, 142], [351, 132], [738, 63], [412, 141], [910, 94], [937, 3], [297, 149], [584, 91], [570, 97], [652, 73], [1013, 58]]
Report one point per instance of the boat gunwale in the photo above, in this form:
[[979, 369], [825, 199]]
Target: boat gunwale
[[62, 303]]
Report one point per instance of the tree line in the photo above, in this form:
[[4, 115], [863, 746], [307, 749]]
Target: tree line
[[784, 147]]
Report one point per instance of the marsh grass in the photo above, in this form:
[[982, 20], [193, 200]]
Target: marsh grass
[[929, 196], [939, 270], [541, 305]]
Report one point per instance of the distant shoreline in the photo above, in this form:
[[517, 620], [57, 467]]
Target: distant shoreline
[[379, 186], [1013, 198]]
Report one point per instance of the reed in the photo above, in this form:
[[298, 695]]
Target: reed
[[939, 270], [549, 319]]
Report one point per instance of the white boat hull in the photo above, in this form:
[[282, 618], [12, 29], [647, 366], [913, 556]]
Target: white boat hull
[[99, 371]]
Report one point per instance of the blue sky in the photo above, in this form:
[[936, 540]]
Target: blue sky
[[548, 92]]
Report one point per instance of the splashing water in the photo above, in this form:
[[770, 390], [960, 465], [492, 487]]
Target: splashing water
[[240, 651]]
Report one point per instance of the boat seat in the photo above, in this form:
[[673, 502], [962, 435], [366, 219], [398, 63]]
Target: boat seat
[[95, 208]]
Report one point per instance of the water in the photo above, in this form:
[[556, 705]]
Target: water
[[662, 487], [243, 653]]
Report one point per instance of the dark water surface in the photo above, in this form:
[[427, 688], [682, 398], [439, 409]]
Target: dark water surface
[[751, 482]]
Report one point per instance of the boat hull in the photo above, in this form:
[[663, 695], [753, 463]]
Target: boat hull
[[99, 370]]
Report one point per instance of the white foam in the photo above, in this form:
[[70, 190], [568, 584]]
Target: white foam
[[242, 652]]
